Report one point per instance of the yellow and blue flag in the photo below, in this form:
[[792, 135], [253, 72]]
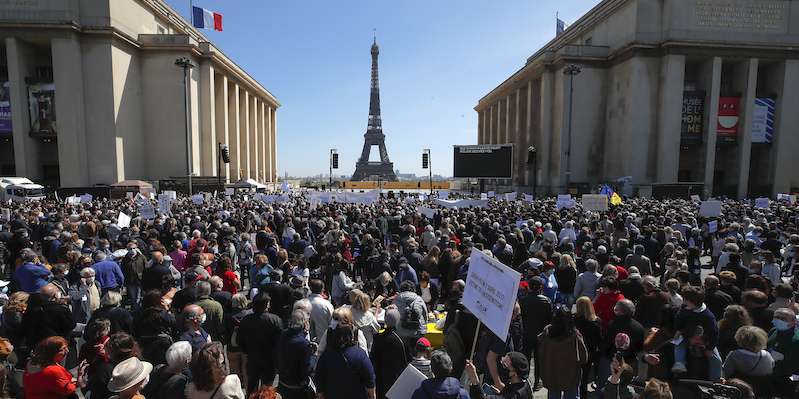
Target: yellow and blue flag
[[614, 198]]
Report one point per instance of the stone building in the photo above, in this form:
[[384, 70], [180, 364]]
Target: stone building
[[670, 92], [92, 95]]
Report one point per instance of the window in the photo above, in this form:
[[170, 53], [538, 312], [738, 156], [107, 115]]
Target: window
[[161, 30], [589, 41]]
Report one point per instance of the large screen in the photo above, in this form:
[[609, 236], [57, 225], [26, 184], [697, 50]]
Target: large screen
[[483, 161]]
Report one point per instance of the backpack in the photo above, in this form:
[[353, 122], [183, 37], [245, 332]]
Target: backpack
[[453, 341], [411, 320], [235, 335]]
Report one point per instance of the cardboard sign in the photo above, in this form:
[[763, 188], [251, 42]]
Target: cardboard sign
[[762, 203], [595, 202], [164, 204], [710, 209], [713, 227], [490, 292], [565, 201], [147, 212], [407, 383], [427, 211]]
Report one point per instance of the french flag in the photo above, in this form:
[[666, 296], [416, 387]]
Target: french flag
[[206, 19]]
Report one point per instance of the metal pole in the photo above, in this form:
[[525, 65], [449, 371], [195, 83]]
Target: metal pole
[[219, 166], [188, 132], [569, 145]]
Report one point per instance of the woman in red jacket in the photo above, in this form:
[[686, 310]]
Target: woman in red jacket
[[44, 377], [606, 300]]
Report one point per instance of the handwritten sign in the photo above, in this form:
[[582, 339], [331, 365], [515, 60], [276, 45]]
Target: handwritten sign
[[147, 212], [710, 209], [713, 227], [490, 292], [762, 202], [595, 202], [123, 220]]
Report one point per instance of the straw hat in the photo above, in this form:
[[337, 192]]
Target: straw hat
[[128, 373]]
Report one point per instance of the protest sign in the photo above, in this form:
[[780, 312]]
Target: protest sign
[[565, 201], [595, 202], [696, 198], [427, 212], [762, 202], [409, 381], [315, 202], [230, 191], [147, 212], [410, 200], [443, 194], [490, 194], [510, 196], [490, 292], [783, 197], [710, 209], [123, 220], [792, 198], [483, 196], [86, 198], [528, 197], [164, 204], [7, 214], [197, 199], [713, 227], [207, 196]]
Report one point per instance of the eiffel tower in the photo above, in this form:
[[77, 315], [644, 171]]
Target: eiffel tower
[[383, 170]]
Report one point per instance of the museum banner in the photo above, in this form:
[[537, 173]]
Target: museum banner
[[763, 120], [727, 130], [5, 108], [692, 110]]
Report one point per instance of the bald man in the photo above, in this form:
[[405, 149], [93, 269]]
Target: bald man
[[46, 317], [194, 334]]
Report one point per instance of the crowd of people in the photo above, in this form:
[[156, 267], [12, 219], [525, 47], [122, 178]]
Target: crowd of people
[[232, 299]]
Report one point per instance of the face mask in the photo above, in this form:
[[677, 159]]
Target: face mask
[[789, 254], [107, 246], [132, 251], [5, 289], [752, 271], [334, 324], [780, 325], [761, 259], [24, 236], [200, 249], [423, 284], [151, 248], [89, 280], [520, 294], [204, 318], [504, 373], [66, 272]]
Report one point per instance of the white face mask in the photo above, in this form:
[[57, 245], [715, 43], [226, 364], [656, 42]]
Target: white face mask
[[89, 280], [334, 324]]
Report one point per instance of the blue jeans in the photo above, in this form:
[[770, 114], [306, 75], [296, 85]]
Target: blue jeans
[[714, 362], [568, 300], [134, 292], [573, 394]]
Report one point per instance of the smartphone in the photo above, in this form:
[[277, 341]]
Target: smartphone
[[377, 300]]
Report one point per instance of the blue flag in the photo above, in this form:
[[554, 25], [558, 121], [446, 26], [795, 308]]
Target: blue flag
[[560, 26]]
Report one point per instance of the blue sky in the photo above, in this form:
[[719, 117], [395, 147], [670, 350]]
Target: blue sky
[[437, 59]]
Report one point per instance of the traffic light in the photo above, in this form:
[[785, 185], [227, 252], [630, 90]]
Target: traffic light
[[530, 155], [223, 148], [425, 160], [335, 160]]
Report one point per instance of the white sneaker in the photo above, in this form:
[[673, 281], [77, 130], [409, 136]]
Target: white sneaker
[[678, 368]]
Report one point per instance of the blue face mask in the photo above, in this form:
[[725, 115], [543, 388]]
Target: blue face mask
[[66, 272], [780, 325], [5, 289]]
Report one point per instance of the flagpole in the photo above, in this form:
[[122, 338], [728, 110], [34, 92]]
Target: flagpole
[[191, 12]]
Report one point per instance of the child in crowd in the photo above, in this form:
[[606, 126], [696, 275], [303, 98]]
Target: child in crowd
[[421, 357]]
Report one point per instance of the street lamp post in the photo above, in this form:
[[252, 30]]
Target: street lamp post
[[570, 70], [333, 165], [186, 64], [531, 159]]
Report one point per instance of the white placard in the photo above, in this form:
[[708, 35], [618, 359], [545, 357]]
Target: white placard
[[7, 214], [86, 198], [230, 191], [595, 202], [422, 197], [315, 202], [123, 220], [443, 194], [147, 212], [696, 198], [207, 196], [407, 383], [141, 199], [490, 292], [483, 196], [197, 199], [710, 209], [762, 202], [565, 201], [427, 211], [490, 194], [510, 196], [129, 195], [793, 198], [783, 197], [713, 227], [410, 200], [163, 204], [528, 197]]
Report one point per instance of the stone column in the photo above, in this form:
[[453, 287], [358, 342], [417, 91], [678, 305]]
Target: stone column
[[549, 153], [711, 126], [746, 111], [20, 59], [492, 132], [253, 132], [480, 127], [786, 142], [273, 139], [672, 75], [261, 142], [208, 139], [244, 133], [528, 131], [221, 121], [233, 130], [72, 146]]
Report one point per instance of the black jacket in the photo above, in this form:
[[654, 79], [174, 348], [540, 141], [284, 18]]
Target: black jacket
[[258, 335], [46, 320], [121, 319], [629, 326], [296, 359], [537, 312], [390, 355]]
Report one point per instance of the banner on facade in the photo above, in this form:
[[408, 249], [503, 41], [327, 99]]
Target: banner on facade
[[692, 110], [41, 100], [727, 129], [5, 108], [763, 120]]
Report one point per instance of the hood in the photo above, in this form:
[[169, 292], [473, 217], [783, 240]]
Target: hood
[[407, 296], [447, 388]]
